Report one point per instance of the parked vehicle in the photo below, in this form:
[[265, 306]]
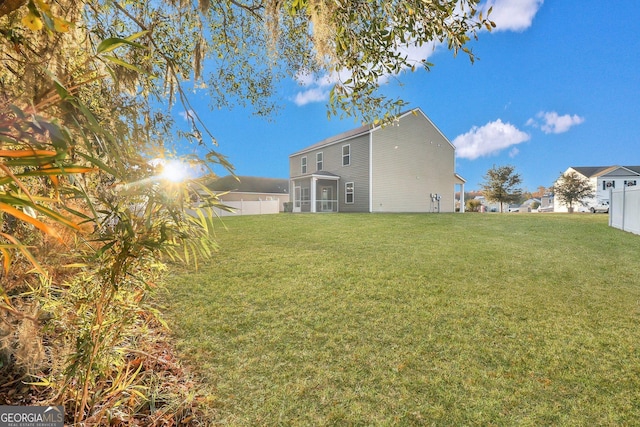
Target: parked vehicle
[[582, 207], [602, 207]]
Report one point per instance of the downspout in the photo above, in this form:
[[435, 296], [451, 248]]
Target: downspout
[[370, 171]]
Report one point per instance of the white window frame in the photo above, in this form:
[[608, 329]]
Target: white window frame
[[319, 161], [347, 193], [303, 165], [346, 156]]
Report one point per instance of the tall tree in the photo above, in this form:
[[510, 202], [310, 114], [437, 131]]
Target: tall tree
[[571, 188], [501, 185]]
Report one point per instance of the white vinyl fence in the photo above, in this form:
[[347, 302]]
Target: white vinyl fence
[[624, 209], [253, 207]]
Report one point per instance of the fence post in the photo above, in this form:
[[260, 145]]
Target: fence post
[[624, 189]]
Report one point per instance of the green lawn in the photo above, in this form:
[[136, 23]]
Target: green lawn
[[443, 319]]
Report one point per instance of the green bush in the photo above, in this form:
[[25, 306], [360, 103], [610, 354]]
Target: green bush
[[473, 205]]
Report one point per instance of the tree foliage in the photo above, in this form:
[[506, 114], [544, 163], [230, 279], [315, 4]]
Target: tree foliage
[[473, 205], [501, 184], [570, 189], [87, 91]]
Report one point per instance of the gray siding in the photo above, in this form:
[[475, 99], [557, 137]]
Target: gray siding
[[357, 172], [396, 172], [411, 160], [295, 165]]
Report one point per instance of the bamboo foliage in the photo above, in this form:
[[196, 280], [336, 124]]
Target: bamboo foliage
[[86, 224]]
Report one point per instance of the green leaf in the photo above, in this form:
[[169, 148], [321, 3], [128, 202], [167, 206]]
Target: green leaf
[[136, 35], [99, 163], [125, 64], [112, 43]]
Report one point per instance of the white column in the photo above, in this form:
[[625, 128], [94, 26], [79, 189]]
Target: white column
[[313, 194], [462, 198]]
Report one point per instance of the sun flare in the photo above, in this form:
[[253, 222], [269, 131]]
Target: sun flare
[[174, 171]]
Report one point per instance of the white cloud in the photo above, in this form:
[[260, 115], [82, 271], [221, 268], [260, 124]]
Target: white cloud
[[317, 88], [514, 152], [489, 139], [187, 114], [513, 15], [552, 122], [316, 94]]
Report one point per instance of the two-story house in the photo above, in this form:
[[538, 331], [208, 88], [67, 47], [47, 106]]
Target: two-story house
[[603, 180], [407, 166]]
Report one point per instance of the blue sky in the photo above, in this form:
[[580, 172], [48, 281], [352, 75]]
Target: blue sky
[[557, 84]]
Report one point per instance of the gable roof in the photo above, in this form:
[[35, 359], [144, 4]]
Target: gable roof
[[250, 184], [595, 171], [363, 130]]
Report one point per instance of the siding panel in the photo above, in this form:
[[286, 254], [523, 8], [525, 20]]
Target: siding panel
[[357, 172], [412, 160]]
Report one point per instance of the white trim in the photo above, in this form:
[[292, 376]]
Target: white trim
[[353, 193], [617, 168], [319, 155], [303, 165], [314, 180], [319, 176], [349, 155], [370, 172], [415, 111], [297, 202]]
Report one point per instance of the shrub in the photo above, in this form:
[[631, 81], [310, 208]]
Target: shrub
[[473, 205]]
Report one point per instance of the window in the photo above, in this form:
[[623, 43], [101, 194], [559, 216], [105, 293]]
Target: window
[[608, 184], [346, 155], [319, 161], [303, 162], [349, 192], [305, 196]]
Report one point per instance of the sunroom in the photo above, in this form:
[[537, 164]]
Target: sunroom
[[317, 192]]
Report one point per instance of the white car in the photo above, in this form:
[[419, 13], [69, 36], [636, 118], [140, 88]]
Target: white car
[[602, 207]]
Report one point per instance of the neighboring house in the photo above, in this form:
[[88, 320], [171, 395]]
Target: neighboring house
[[529, 204], [603, 179], [407, 166], [525, 206], [251, 189], [546, 203]]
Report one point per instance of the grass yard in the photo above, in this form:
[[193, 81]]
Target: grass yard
[[449, 319]]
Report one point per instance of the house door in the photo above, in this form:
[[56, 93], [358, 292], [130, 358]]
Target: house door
[[326, 199], [297, 199]]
